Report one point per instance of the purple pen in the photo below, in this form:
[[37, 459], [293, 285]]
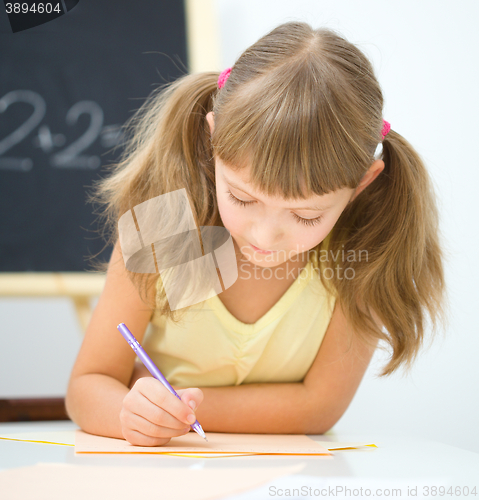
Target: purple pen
[[153, 369]]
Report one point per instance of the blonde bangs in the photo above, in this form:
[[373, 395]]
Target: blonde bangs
[[290, 127]]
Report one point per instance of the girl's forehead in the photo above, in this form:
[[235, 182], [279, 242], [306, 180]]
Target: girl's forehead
[[239, 178]]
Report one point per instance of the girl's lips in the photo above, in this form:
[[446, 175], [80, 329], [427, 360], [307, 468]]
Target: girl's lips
[[261, 251]]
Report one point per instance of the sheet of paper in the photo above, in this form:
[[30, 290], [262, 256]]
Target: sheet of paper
[[267, 444], [67, 438], [80, 482]]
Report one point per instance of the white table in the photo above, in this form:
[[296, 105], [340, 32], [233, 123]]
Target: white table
[[401, 461]]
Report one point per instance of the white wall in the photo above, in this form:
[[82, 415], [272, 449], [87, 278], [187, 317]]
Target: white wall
[[425, 54], [40, 340]]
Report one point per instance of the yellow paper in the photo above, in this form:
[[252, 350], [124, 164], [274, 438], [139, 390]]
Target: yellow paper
[[263, 444], [80, 482], [65, 438], [335, 446]]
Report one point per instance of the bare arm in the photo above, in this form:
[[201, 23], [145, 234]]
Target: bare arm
[[102, 371]]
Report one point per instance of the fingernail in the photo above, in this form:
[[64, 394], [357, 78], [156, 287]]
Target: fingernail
[[192, 404], [191, 419]]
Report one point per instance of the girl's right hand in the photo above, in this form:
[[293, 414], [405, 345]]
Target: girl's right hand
[[151, 415]]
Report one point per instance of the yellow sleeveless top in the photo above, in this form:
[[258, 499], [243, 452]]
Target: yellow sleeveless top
[[210, 347]]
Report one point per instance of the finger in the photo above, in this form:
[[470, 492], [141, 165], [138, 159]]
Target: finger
[[160, 396], [144, 426], [138, 439], [143, 407], [193, 397]]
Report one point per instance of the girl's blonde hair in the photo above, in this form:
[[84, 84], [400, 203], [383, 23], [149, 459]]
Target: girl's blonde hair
[[300, 107]]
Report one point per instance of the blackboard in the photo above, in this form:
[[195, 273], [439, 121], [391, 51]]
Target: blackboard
[[66, 87]]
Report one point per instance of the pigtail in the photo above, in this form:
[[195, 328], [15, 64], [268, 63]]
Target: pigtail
[[168, 148], [401, 276], [184, 140]]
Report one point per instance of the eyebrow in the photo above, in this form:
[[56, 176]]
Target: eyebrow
[[291, 208]]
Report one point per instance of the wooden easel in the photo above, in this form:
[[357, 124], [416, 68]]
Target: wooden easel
[[79, 287]]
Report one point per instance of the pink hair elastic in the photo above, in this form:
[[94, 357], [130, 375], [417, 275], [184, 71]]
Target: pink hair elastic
[[386, 129], [226, 73], [223, 77]]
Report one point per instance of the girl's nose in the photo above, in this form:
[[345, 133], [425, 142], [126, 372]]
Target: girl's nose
[[267, 235]]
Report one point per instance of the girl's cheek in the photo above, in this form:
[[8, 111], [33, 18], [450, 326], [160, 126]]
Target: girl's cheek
[[228, 216]]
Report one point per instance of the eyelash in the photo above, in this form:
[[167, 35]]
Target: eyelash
[[306, 222]]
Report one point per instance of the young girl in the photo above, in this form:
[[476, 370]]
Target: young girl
[[336, 249]]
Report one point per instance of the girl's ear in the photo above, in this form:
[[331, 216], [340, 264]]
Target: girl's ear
[[374, 170], [210, 118]]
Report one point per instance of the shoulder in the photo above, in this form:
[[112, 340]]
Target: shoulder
[[143, 286]]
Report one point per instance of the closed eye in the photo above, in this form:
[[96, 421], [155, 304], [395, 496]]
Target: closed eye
[[306, 222]]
